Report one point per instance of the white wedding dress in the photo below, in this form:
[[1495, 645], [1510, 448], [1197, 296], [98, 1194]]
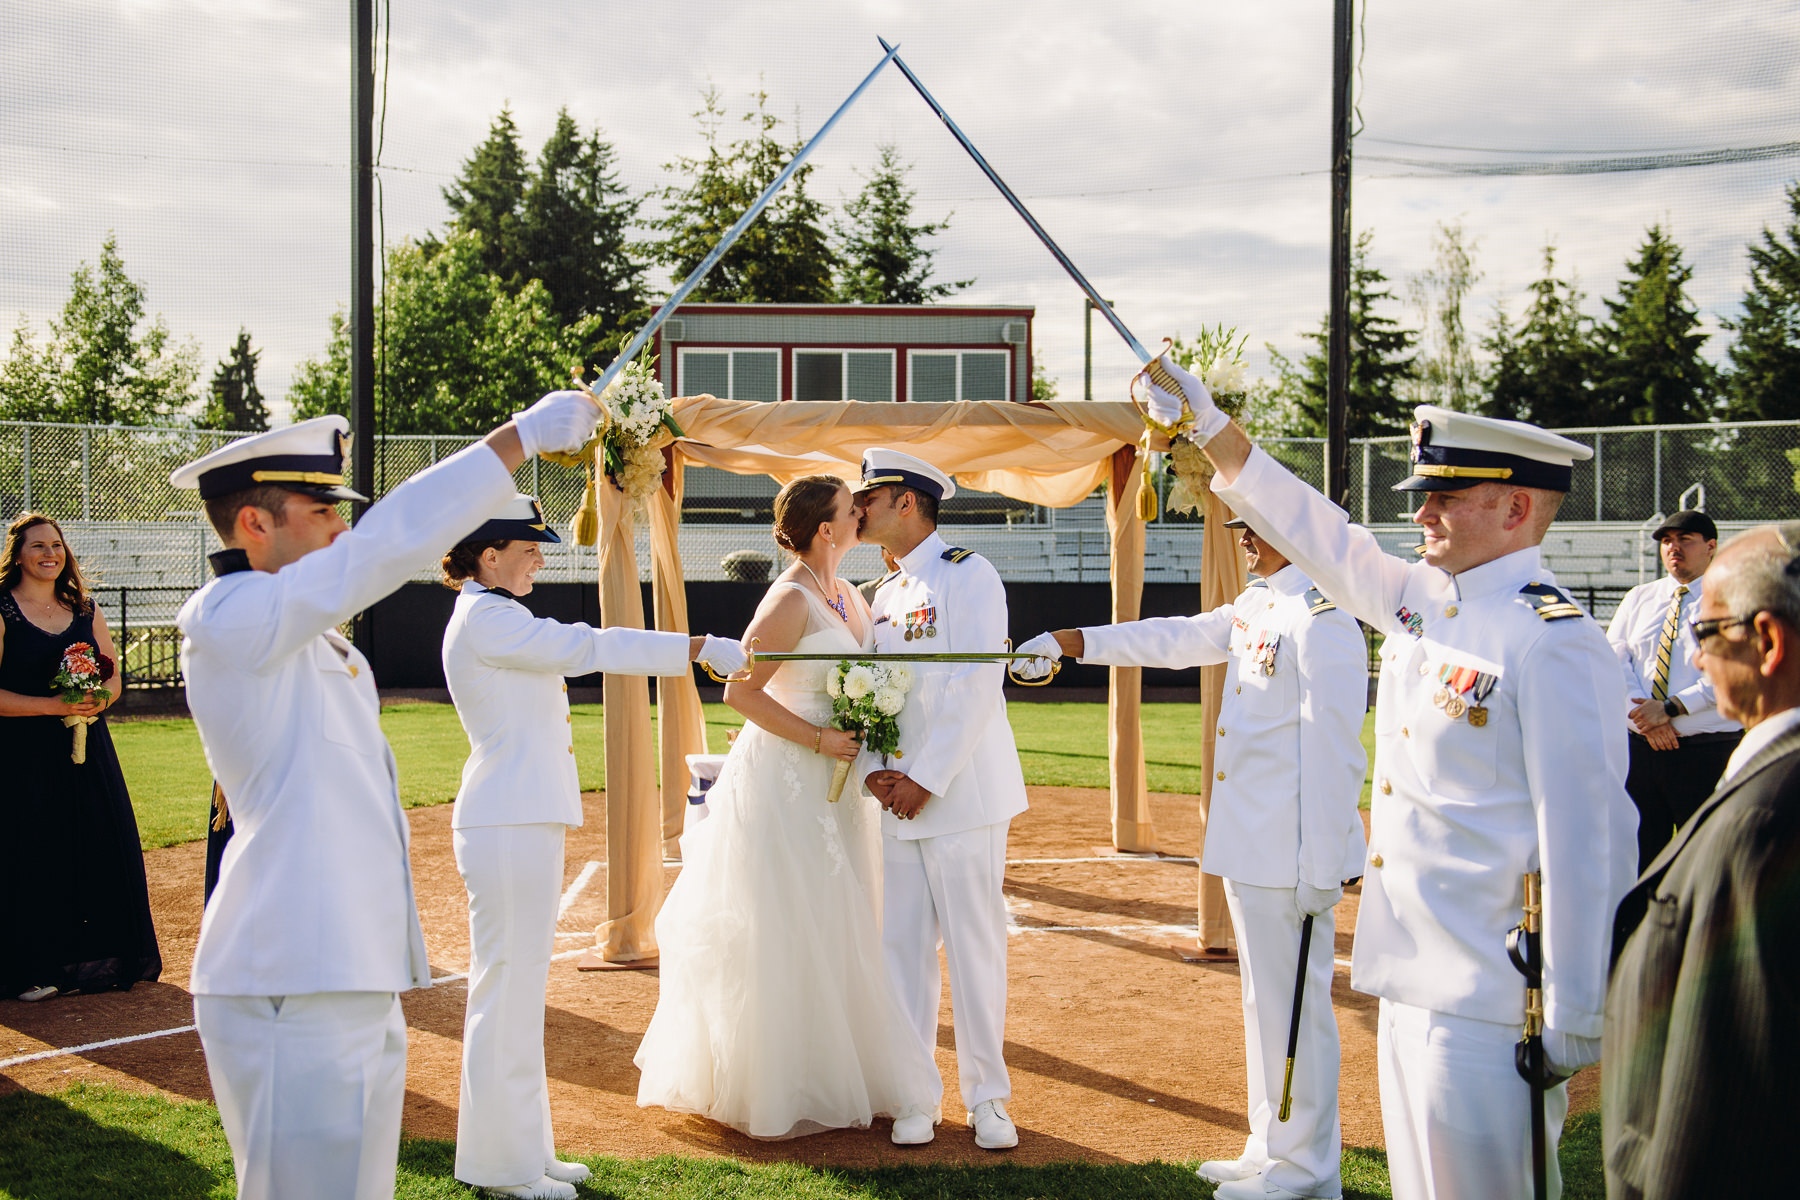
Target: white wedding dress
[[776, 1015]]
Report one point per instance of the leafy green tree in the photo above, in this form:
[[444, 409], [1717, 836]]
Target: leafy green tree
[[785, 255], [1382, 362], [488, 198], [1447, 373], [575, 218], [1764, 383], [102, 364], [234, 401], [883, 256], [461, 352], [1650, 370], [1542, 371]]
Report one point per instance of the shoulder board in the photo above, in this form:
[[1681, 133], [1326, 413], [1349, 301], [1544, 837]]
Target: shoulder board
[[877, 584], [1259, 581], [1549, 603], [955, 554], [1316, 602]]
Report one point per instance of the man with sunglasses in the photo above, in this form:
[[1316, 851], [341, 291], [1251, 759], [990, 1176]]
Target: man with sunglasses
[[1499, 754], [1703, 1012], [1679, 739]]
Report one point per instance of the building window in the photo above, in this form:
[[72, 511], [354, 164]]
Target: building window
[[843, 374], [938, 376], [733, 374]]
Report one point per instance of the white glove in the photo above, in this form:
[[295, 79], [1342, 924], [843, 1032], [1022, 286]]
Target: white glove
[[561, 421], [1314, 901], [1567, 1053], [1048, 650], [1165, 407], [725, 656]]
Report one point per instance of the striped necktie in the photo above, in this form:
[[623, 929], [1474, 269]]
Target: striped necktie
[[1665, 645]]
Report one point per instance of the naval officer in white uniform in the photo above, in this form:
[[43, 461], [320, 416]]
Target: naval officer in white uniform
[[1284, 833], [949, 796], [519, 793], [1498, 752], [312, 933]]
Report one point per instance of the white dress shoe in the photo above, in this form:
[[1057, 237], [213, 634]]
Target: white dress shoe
[[566, 1171], [1227, 1170], [914, 1129], [994, 1130], [37, 993], [1256, 1187], [545, 1188]]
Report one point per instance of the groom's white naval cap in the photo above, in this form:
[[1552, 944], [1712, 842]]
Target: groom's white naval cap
[[1455, 450], [306, 458], [881, 466]]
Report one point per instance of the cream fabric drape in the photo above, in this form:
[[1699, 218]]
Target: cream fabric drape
[[1054, 454], [1222, 576]]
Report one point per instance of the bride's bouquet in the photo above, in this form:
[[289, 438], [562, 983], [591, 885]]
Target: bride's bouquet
[[866, 698], [82, 676]]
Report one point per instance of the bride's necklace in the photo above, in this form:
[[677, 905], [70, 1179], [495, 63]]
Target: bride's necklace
[[836, 601]]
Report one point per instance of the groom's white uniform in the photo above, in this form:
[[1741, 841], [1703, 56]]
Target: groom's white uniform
[[944, 867]]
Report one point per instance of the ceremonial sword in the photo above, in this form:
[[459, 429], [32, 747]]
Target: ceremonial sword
[[731, 235], [1524, 945], [955, 656]]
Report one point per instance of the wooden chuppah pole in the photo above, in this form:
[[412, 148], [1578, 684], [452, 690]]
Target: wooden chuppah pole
[[1131, 825], [681, 722], [1222, 577]]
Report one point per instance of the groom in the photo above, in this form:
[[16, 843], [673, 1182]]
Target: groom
[[950, 792]]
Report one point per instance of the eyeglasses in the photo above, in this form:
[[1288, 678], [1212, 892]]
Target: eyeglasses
[[1712, 628]]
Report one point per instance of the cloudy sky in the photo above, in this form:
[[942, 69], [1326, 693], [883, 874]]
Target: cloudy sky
[[1178, 152]]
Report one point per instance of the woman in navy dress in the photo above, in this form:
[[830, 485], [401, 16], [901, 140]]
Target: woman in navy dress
[[74, 908]]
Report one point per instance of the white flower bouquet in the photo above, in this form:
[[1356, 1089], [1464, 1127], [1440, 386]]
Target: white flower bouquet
[[635, 409], [1216, 356], [866, 698]]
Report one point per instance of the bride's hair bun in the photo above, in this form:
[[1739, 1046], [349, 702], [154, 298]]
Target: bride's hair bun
[[801, 507]]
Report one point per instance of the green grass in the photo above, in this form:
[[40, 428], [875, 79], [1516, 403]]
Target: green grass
[[1060, 744], [96, 1140]]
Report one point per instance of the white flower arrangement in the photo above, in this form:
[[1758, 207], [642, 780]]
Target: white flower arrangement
[[889, 700], [1216, 356], [635, 409], [865, 698]]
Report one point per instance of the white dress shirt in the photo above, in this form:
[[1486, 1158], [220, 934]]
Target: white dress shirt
[[1289, 754], [1758, 737], [1461, 811], [315, 890], [1636, 631], [505, 671]]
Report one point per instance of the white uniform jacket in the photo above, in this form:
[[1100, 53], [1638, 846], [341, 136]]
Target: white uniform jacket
[[1636, 631], [505, 669], [954, 738], [1289, 754], [315, 891], [1465, 805]]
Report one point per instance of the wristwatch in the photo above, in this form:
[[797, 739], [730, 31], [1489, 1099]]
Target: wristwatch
[[1672, 707]]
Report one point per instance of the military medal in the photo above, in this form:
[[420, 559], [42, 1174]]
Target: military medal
[[1438, 697], [930, 621], [1266, 650], [1455, 707], [1456, 680], [1484, 684]]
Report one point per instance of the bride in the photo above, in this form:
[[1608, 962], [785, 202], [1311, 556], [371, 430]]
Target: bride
[[775, 1015]]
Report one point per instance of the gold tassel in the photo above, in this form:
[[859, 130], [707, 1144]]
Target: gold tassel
[[220, 814], [1146, 497], [586, 526]]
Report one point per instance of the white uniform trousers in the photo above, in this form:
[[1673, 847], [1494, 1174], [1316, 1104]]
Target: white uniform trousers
[[514, 877], [947, 889], [1301, 1154], [1456, 1113], [309, 1089]]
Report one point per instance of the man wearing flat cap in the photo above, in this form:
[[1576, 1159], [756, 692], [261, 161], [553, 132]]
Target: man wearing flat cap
[[1283, 832], [1679, 739], [1498, 753], [312, 931], [949, 795]]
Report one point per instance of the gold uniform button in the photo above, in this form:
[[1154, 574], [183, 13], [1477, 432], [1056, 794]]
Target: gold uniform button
[[1387, 789], [1405, 732], [1422, 668], [1221, 731], [1240, 689], [1374, 860], [1221, 774], [565, 687], [569, 717], [571, 749], [1451, 611]]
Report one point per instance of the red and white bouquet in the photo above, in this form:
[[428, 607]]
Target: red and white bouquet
[[83, 676]]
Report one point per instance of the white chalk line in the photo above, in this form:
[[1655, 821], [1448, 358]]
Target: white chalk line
[[458, 977], [1099, 858], [581, 881]]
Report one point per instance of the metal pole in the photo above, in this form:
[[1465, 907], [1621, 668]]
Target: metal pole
[[1337, 386], [1368, 462], [25, 465], [362, 263], [87, 471], [1656, 471], [1599, 476]]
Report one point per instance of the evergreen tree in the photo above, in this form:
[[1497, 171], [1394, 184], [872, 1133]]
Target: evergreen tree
[[1541, 371], [784, 256], [1381, 362], [574, 221], [1764, 383], [460, 352], [1651, 372], [234, 402], [884, 257], [1447, 373], [487, 200], [98, 367]]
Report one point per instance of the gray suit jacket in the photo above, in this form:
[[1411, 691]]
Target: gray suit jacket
[[1702, 1046]]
